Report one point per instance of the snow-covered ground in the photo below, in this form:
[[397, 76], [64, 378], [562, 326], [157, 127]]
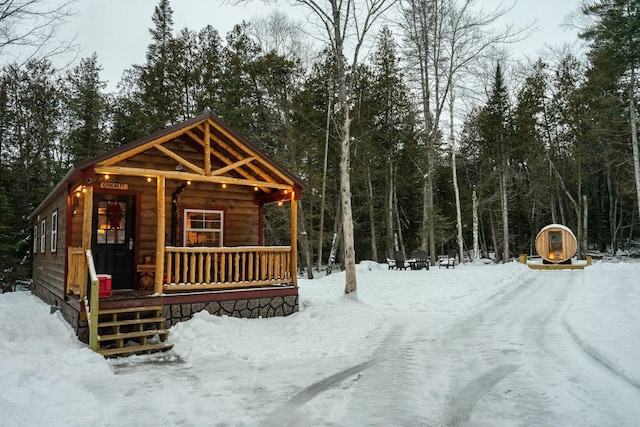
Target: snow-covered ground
[[487, 345]]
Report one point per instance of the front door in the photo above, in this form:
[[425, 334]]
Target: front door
[[112, 241]]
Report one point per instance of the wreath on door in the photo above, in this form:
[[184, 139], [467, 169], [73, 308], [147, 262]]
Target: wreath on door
[[114, 215]]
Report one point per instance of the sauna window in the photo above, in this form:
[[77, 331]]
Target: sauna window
[[112, 222], [203, 228], [555, 244]]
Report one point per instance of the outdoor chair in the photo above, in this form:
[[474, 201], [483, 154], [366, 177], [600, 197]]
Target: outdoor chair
[[400, 261], [419, 260]]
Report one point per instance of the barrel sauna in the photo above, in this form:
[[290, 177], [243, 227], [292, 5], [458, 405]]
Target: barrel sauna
[[556, 244]]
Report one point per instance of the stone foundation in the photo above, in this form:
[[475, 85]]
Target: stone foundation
[[242, 308]]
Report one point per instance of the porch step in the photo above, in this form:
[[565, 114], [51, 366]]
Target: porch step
[[138, 349], [136, 330]]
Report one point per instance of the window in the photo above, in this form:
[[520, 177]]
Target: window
[[35, 238], [112, 222], [54, 231], [203, 227], [43, 235]]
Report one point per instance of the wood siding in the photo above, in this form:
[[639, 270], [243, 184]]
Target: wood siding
[[568, 249], [48, 267]]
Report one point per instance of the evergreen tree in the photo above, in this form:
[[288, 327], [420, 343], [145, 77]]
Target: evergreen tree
[[159, 92], [32, 159], [496, 133], [87, 110]]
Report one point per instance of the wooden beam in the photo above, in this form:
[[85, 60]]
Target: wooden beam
[[87, 229], [233, 166], [252, 152], [144, 147], [207, 149], [239, 157], [294, 239], [179, 159], [160, 232], [127, 171], [254, 167]]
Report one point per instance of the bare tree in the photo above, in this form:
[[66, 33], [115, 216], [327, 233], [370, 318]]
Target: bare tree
[[28, 29], [277, 33], [447, 39]]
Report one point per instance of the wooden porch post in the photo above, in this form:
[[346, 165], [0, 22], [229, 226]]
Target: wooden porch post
[[160, 232], [294, 239], [87, 229]]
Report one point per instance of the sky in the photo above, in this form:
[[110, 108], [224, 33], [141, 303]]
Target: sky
[[478, 345], [117, 30]]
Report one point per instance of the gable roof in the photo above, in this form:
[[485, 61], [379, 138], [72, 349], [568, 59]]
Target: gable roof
[[220, 155]]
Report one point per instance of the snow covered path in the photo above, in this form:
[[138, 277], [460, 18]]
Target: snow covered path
[[512, 363]]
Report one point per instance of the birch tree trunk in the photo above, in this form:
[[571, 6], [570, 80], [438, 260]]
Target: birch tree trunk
[[454, 171], [324, 187], [634, 133], [505, 215], [474, 207]]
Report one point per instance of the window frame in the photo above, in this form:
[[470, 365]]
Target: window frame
[[186, 229], [35, 238], [54, 231], [43, 235]]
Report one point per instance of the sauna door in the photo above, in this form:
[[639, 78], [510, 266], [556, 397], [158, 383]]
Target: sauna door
[[113, 238]]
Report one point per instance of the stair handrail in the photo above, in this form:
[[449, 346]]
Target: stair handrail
[[92, 304]]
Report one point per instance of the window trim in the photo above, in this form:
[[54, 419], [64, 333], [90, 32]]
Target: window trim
[[54, 231], [43, 236], [185, 215], [35, 238]]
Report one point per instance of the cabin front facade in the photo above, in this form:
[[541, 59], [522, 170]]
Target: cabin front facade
[[176, 220]]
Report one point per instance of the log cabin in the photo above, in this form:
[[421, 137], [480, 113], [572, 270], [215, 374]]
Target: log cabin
[[144, 236]]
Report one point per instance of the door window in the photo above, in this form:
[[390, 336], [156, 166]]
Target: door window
[[112, 222]]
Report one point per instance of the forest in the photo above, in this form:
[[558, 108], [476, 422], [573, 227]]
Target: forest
[[435, 138]]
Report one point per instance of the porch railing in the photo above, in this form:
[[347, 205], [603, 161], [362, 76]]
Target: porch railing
[[188, 268]]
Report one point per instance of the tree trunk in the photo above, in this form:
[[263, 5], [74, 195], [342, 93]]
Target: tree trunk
[[372, 219], [474, 207], [634, 133], [585, 225], [389, 214], [454, 170], [505, 216], [304, 241], [324, 187], [400, 242], [345, 199], [494, 237]]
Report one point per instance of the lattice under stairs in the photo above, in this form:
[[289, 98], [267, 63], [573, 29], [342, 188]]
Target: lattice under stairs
[[137, 330]]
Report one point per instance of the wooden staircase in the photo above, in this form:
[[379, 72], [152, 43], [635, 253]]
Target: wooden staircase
[[137, 330]]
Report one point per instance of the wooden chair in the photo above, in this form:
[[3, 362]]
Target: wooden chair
[[420, 260], [448, 260], [400, 261]]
